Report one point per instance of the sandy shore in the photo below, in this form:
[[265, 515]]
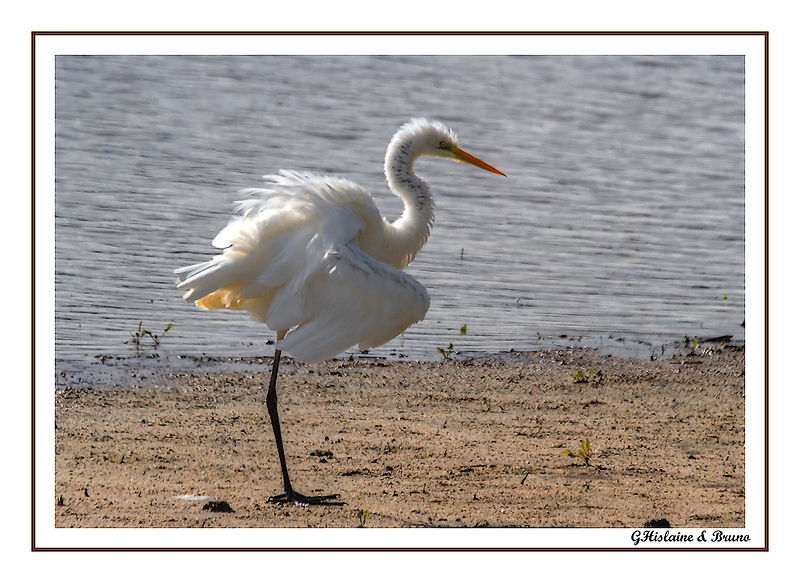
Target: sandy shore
[[470, 443]]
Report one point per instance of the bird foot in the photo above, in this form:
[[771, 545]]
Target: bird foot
[[300, 500]]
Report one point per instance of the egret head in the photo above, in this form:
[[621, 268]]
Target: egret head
[[432, 138]]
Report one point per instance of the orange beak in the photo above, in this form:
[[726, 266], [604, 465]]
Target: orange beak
[[470, 159]]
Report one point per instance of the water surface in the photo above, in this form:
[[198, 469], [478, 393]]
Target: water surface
[[620, 223]]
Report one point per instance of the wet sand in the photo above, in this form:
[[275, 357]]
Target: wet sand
[[444, 444]]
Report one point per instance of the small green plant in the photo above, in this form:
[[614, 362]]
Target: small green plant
[[446, 352], [691, 343], [582, 376], [584, 452], [362, 517], [141, 334]]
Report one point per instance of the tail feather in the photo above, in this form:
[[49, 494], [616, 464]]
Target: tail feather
[[204, 278]]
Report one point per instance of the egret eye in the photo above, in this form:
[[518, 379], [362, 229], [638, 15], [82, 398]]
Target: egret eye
[[443, 145]]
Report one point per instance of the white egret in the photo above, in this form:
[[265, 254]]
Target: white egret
[[312, 257]]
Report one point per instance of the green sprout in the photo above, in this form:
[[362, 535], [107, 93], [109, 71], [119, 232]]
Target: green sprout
[[362, 517], [141, 333], [446, 352], [584, 451], [691, 343]]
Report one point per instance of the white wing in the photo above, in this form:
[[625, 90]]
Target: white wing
[[344, 297], [292, 259]]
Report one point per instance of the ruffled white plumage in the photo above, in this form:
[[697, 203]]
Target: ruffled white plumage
[[292, 258]]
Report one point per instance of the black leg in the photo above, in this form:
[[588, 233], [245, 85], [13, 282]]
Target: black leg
[[289, 494]]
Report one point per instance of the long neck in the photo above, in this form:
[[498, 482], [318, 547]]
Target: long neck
[[407, 234]]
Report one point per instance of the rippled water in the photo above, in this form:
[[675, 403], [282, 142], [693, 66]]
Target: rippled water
[[620, 224]]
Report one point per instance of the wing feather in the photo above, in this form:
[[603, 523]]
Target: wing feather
[[343, 296], [347, 298]]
